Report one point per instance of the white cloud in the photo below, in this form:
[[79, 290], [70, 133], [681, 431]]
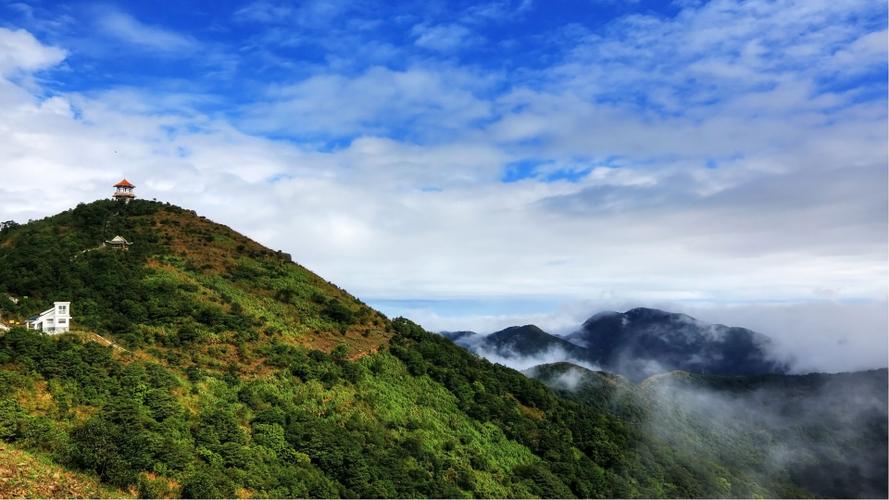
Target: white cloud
[[21, 52], [496, 11], [522, 363], [311, 13], [126, 28], [820, 335], [417, 100], [442, 37]]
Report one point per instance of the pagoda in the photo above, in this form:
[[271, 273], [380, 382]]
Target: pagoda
[[124, 191]]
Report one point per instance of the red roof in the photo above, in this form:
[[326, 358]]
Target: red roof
[[124, 184]]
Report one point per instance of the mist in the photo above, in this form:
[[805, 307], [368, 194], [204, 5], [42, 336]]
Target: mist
[[817, 336], [512, 359], [825, 336], [521, 363], [826, 433]]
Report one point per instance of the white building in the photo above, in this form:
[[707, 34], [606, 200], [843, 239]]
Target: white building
[[55, 320]]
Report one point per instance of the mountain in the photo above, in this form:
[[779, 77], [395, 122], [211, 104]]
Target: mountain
[[519, 347], [604, 391], [636, 344], [185, 281], [642, 342], [827, 433], [202, 364], [463, 338], [528, 340]]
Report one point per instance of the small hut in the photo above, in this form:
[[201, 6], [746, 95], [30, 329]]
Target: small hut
[[118, 243]]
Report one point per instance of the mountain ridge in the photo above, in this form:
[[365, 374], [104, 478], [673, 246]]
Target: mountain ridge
[[638, 343], [643, 341]]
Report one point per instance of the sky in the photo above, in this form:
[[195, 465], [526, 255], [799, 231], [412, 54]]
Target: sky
[[477, 164]]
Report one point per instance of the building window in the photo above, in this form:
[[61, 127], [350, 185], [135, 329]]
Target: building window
[[63, 309], [62, 321]]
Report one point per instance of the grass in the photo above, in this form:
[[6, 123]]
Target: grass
[[31, 475]]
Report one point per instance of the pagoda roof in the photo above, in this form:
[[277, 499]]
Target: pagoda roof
[[118, 240], [124, 184]]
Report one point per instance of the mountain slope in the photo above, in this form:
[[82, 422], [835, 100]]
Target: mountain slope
[[184, 281], [26, 475], [642, 342], [823, 433], [603, 391]]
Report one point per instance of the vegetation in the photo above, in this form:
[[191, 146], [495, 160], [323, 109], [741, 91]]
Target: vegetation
[[235, 372], [33, 475], [184, 281], [781, 435]]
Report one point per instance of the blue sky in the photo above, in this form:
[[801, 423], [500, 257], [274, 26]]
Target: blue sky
[[476, 164]]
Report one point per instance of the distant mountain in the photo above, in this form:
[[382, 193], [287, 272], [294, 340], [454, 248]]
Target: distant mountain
[[571, 377], [528, 340], [520, 347], [643, 342], [602, 390], [636, 344]]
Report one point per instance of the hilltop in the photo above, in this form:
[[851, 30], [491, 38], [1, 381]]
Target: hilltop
[[644, 341], [185, 281]]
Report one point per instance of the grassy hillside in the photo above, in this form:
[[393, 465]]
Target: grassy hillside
[[185, 281], [204, 365], [29, 475]]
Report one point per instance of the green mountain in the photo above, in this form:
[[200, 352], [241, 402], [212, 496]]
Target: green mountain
[[201, 364]]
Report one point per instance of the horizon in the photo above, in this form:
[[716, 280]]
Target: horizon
[[493, 163]]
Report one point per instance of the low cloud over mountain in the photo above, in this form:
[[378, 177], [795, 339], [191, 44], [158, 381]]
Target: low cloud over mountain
[[638, 343], [643, 342], [771, 426]]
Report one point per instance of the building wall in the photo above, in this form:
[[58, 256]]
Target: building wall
[[56, 320]]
